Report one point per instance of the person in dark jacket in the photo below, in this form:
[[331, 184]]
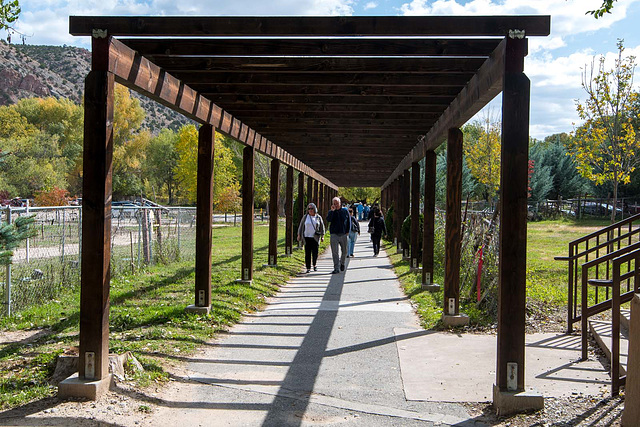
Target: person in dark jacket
[[377, 228], [339, 225], [354, 232], [310, 231]]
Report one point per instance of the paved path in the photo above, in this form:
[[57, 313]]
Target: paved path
[[323, 352]]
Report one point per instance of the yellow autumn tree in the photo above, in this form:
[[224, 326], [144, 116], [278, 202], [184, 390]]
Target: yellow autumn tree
[[130, 144], [225, 187], [605, 147], [482, 153]]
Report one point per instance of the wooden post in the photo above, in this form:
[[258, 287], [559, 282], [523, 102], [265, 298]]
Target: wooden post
[[288, 212], [204, 212], [397, 223], [453, 222], [274, 200], [428, 238], [248, 194], [303, 206], [93, 363], [309, 190], [315, 193], [406, 195], [321, 190], [415, 214], [513, 217]]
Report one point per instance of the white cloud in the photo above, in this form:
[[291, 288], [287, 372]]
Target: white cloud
[[370, 5], [46, 21], [568, 17]]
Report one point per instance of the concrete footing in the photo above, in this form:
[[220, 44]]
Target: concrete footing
[[415, 269], [88, 389], [270, 265], [455, 320], [433, 287], [244, 282], [197, 310], [514, 402]]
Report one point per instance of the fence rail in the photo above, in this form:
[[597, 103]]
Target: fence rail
[[47, 263], [597, 245]]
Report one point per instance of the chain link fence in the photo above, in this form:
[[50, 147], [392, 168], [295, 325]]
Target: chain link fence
[[49, 263]]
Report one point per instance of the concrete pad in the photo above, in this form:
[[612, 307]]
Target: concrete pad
[[455, 320], [88, 389], [431, 288], [507, 402], [435, 366], [197, 310]]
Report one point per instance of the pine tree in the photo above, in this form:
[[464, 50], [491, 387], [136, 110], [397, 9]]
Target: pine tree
[[11, 235]]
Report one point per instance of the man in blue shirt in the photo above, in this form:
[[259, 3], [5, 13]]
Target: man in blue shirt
[[360, 210], [338, 217]]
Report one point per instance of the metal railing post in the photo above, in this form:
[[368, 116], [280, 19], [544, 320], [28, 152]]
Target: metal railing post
[[64, 220], [27, 245], [8, 281]]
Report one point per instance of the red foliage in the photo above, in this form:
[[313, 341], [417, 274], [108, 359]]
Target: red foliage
[[54, 197]]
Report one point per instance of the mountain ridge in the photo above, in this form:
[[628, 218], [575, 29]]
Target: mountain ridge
[[59, 71]]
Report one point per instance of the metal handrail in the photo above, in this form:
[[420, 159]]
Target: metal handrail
[[618, 380], [607, 240], [604, 305]]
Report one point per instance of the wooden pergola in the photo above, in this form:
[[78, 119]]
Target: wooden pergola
[[344, 101]]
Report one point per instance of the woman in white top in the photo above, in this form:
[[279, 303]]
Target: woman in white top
[[310, 231]]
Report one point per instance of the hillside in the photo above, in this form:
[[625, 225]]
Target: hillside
[[59, 71]]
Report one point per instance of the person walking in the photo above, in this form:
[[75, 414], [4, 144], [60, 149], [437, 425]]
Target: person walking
[[311, 231], [339, 225], [377, 228], [354, 232]]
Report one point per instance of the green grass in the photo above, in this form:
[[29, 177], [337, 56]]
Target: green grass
[[546, 278], [147, 315]]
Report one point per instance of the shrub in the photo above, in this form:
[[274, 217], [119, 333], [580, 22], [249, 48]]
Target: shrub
[[406, 231]]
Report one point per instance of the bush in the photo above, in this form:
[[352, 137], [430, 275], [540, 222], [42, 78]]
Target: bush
[[406, 231]]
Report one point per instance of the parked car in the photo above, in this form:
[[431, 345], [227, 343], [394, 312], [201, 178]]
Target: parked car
[[125, 210], [598, 209]]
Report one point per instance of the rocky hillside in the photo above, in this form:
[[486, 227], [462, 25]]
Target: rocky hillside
[[30, 70]]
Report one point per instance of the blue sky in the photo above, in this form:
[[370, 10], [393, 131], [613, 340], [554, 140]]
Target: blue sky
[[555, 64]]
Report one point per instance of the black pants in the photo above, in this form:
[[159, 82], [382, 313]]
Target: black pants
[[310, 250], [375, 238]]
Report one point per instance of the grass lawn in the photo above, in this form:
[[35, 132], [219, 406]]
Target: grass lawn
[[546, 278], [147, 315]]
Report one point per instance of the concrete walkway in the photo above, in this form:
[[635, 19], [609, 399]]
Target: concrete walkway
[[347, 349], [323, 352]]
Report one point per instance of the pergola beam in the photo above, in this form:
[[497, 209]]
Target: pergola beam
[[378, 65], [482, 88], [210, 26], [313, 47], [138, 73]]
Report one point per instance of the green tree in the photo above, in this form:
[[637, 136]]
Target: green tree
[[31, 163], [469, 184], [63, 119], [605, 147], [11, 235], [130, 144], [161, 161], [605, 7], [225, 181], [357, 194], [9, 12], [482, 154]]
